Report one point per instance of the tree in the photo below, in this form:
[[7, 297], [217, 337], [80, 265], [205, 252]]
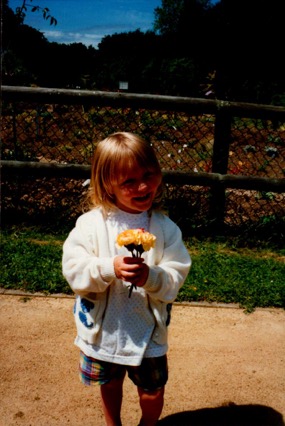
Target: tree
[[68, 66], [232, 48], [179, 16], [21, 12], [124, 57], [185, 33], [248, 45], [23, 50], [238, 41], [168, 16]]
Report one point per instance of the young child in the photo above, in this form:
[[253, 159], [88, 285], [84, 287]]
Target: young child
[[118, 334]]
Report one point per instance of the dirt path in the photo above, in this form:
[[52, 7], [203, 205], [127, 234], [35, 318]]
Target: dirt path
[[226, 368]]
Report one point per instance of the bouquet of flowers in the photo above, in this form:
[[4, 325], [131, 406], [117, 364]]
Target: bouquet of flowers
[[136, 241]]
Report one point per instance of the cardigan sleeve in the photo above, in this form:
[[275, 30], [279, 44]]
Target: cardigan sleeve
[[82, 267], [170, 268]]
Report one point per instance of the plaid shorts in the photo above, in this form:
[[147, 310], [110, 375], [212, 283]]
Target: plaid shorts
[[151, 375]]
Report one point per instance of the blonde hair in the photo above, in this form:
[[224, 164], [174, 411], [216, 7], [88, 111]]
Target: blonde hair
[[113, 158]]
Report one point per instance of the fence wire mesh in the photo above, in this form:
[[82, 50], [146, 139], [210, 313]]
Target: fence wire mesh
[[183, 142]]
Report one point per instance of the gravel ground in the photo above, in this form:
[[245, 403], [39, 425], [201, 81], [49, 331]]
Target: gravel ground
[[227, 368]]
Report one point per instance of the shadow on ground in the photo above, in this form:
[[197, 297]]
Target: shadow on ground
[[230, 415]]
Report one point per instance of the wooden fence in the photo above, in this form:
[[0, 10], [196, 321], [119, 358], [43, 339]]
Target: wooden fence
[[218, 180]]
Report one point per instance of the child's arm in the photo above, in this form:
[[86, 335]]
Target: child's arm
[[84, 271], [167, 275]]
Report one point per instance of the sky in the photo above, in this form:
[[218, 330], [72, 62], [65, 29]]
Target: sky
[[88, 21]]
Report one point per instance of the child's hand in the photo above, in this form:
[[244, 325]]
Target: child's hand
[[131, 269]]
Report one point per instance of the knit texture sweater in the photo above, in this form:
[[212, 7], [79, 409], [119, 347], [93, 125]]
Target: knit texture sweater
[[111, 326]]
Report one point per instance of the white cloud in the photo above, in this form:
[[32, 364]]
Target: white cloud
[[73, 37], [92, 21]]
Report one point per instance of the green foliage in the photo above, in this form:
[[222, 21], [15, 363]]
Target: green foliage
[[189, 43], [263, 195], [277, 140], [22, 10], [31, 261], [251, 278]]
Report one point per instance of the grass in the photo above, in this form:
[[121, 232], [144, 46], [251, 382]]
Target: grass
[[31, 261], [249, 277], [221, 271]]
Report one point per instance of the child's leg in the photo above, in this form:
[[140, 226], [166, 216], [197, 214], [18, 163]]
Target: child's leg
[[151, 403], [111, 396]]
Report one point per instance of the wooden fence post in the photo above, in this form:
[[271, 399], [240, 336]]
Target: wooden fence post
[[220, 165]]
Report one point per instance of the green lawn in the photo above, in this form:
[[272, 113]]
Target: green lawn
[[221, 272]]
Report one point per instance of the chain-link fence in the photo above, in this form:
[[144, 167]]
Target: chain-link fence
[[194, 139]]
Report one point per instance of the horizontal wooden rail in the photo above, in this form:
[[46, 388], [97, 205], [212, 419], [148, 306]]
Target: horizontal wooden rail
[[223, 112], [134, 100], [78, 171]]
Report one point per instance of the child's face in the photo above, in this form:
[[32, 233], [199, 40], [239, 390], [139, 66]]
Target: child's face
[[135, 191]]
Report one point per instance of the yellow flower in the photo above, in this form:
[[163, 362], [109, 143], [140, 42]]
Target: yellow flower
[[136, 241], [140, 239], [147, 240]]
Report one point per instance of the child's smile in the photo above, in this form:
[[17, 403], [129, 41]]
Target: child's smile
[[135, 191]]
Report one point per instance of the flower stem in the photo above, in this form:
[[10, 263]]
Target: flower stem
[[132, 286]]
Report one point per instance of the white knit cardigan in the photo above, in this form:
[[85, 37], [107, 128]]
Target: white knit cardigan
[[87, 265]]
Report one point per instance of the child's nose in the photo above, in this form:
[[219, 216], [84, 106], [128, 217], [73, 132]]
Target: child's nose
[[142, 186]]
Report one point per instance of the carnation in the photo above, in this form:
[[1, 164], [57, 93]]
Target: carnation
[[136, 241]]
